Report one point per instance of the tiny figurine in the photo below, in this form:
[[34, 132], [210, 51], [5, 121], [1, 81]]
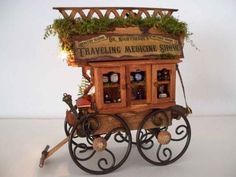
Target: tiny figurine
[[159, 76], [163, 75], [162, 91], [105, 79], [166, 75], [107, 98], [131, 78], [140, 93]]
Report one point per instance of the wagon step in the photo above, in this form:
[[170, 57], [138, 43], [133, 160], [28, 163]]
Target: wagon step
[[46, 153]]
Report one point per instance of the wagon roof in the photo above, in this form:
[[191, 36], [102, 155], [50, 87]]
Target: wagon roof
[[113, 12]]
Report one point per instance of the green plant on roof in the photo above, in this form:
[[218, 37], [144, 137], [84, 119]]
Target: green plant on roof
[[67, 27], [84, 84]]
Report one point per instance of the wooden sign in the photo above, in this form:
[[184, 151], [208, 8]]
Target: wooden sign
[[109, 47]]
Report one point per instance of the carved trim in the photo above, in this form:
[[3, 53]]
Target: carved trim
[[117, 11]]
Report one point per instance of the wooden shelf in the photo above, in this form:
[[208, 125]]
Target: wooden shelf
[[111, 85], [163, 82], [163, 98], [143, 83]]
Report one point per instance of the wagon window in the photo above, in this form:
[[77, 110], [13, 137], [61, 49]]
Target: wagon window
[[111, 87], [138, 85], [163, 88], [163, 91], [163, 75]]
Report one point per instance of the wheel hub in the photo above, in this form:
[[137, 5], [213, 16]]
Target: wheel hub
[[164, 137], [99, 144]]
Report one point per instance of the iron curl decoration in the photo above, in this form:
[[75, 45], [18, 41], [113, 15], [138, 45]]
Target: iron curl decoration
[[91, 160], [116, 132], [84, 148], [178, 131], [120, 138], [106, 162], [89, 125], [67, 128], [146, 141], [163, 154]]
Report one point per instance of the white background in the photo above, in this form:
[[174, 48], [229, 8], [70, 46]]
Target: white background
[[33, 77]]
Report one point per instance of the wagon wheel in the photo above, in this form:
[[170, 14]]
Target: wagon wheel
[[163, 145], [100, 153]]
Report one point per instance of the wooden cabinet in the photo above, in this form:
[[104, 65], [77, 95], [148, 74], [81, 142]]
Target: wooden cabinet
[[110, 87], [138, 84], [134, 85], [163, 82]]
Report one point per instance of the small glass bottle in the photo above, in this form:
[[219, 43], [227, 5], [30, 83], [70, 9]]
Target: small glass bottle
[[107, 98], [140, 93]]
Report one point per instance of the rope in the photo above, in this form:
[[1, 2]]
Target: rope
[[188, 109]]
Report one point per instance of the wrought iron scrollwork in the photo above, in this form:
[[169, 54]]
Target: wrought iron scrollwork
[[67, 128], [120, 137], [105, 161], [147, 139], [89, 159], [167, 153], [183, 132]]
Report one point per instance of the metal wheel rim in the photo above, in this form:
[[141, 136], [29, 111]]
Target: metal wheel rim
[[106, 170]]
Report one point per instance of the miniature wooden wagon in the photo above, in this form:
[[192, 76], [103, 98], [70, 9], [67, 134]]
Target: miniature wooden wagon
[[132, 72]]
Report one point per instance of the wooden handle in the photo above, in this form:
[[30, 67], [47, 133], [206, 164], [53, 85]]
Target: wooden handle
[[68, 100], [47, 153], [57, 147], [43, 156]]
